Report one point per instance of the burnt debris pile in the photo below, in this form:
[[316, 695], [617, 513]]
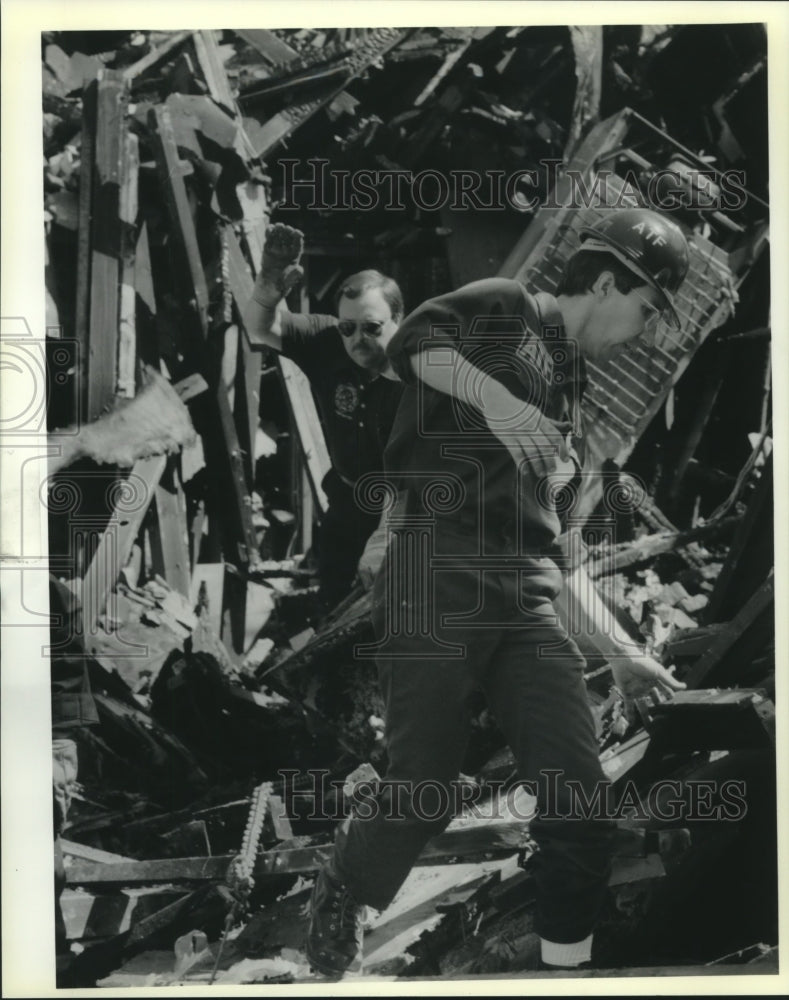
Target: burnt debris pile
[[224, 720]]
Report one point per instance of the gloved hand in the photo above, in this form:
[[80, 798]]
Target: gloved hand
[[279, 266]]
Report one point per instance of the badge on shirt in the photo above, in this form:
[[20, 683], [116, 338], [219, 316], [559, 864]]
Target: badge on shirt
[[346, 399]]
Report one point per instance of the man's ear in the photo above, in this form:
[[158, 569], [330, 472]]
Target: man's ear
[[604, 284]]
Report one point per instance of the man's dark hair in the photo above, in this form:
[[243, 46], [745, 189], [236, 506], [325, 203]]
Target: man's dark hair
[[583, 269], [353, 287]]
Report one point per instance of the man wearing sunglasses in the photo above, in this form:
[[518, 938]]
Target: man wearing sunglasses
[[487, 428], [355, 388]]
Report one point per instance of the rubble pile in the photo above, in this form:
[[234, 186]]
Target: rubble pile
[[187, 629]]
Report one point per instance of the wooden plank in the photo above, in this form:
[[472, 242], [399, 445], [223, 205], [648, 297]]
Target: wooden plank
[[637, 972], [223, 452], [702, 411], [82, 304], [135, 873], [252, 198], [273, 49], [116, 543], [308, 426], [170, 539], [143, 276], [180, 210], [241, 284], [621, 761], [751, 546], [127, 328], [229, 364], [496, 839], [213, 69], [758, 603], [691, 642], [647, 547], [483, 839], [307, 508], [88, 915], [155, 55], [252, 362], [710, 720], [106, 243], [87, 853]]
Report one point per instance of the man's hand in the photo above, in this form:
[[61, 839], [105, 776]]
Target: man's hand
[[636, 675], [279, 267]]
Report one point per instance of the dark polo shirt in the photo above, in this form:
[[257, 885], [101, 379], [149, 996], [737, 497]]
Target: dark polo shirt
[[357, 409], [497, 326]]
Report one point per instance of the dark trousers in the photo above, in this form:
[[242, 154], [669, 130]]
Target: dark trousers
[[344, 531], [512, 646]]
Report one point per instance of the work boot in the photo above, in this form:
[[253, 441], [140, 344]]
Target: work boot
[[336, 933]]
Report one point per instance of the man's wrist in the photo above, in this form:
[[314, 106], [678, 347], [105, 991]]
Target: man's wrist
[[616, 647], [266, 293]]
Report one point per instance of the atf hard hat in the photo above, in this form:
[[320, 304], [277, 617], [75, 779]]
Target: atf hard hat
[[647, 243]]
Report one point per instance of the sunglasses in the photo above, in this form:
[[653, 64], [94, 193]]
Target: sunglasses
[[369, 327], [652, 314]]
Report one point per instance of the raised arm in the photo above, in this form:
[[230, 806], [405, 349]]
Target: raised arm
[[279, 273]]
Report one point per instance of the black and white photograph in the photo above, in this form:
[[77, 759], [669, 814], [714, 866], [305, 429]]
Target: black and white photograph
[[391, 443]]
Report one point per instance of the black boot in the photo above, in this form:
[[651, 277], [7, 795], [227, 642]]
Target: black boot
[[336, 933]]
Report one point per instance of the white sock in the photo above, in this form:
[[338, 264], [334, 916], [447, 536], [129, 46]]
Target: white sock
[[566, 955]]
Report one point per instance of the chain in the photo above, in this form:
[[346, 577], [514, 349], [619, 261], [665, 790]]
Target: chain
[[253, 830], [239, 874]]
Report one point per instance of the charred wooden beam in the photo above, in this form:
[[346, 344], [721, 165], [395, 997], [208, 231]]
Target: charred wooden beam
[[82, 303], [476, 840], [710, 720], [646, 548], [117, 540], [702, 411], [704, 669], [221, 439], [127, 326], [750, 555], [241, 285], [98, 298], [213, 69], [90, 915], [479, 840], [155, 55], [273, 49], [171, 542]]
